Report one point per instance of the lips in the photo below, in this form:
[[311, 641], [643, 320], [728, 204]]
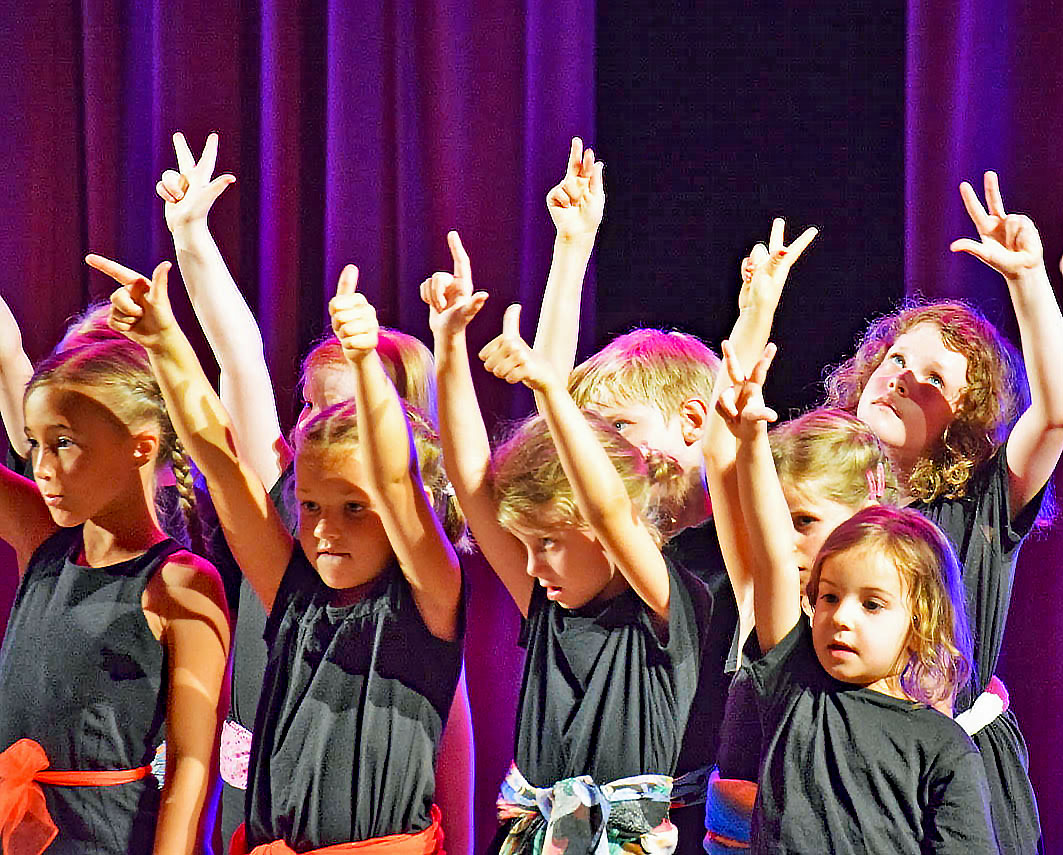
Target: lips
[[888, 404], [52, 501], [841, 648]]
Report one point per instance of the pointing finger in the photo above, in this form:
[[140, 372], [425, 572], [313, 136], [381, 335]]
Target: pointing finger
[[118, 272], [462, 265]]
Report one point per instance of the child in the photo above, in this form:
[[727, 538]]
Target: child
[[830, 465], [856, 759], [116, 632], [247, 392], [936, 384], [612, 631], [365, 618]]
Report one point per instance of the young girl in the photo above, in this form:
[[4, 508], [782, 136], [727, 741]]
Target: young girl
[[936, 384], [116, 632], [830, 466], [612, 631], [247, 392], [365, 617], [856, 758]]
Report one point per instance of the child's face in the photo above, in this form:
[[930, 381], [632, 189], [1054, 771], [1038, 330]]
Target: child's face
[[912, 396], [341, 534], [82, 455], [814, 518], [644, 425], [571, 565], [862, 620], [324, 387]]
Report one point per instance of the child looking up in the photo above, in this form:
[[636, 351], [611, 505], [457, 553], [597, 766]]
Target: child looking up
[[365, 618]]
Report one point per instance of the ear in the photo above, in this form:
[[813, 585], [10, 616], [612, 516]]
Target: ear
[[145, 448], [694, 417]]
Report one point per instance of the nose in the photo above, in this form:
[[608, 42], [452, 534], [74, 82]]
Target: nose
[[43, 467], [902, 383], [324, 530], [842, 616], [534, 565]]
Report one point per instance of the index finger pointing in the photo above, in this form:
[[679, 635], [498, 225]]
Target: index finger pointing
[[462, 265], [118, 272]]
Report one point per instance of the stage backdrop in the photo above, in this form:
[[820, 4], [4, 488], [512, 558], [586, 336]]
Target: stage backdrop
[[362, 131]]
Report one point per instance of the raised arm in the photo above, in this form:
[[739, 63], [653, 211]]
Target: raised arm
[[1010, 244], [389, 460], [576, 206], [230, 328], [260, 543], [15, 372], [466, 449], [776, 576], [599, 490], [764, 274]]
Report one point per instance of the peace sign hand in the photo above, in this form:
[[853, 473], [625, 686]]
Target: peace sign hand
[[741, 405], [765, 269], [190, 192], [1009, 243]]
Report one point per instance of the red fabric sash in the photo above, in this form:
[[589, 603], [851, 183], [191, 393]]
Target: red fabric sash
[[26, 827], [427, 842]]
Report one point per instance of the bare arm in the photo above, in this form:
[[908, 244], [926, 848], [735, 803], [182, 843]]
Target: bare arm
[[256, 535], [24, 519], [185, 601], [226, 319], [466, 448], [15, 372], [764, 274], [599, 490], [424, 553], [576, 206], [776, 577], [1009, 243]]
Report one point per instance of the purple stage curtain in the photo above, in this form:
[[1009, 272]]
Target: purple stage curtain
[[983, 92], [358, 131]]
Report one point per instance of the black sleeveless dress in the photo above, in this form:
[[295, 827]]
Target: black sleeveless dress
[[83, 675]]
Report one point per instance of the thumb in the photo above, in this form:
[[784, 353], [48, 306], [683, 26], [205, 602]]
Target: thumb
[[348, 283], [217, 187], [158, 288], [511, 321]]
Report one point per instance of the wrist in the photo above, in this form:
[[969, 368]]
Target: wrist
[[582, 242], [191, 235]]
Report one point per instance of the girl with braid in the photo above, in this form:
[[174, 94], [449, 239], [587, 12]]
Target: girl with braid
[[115, 627]]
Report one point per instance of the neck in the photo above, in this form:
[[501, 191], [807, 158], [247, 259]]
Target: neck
[[696, 504], [125, 529]]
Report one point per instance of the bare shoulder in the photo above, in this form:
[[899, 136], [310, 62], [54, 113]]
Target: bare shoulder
[[187, 586]]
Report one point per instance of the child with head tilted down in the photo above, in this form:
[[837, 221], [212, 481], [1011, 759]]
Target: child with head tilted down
[[563, 513], [365, 605], [856, 758], [117, 633], [246, 390], [939, 388]]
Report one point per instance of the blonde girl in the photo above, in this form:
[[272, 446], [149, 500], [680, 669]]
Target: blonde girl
[[370, 590], [612, 631], [117, 634], [246, 390]]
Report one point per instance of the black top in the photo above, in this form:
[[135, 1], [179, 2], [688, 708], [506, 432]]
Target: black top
[[697, 549], [601, 694], [84, 676], [987, 544], [851, 770], [352, 708]]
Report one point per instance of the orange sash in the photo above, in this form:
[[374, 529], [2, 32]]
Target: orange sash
[[427, 842], [26, 827]]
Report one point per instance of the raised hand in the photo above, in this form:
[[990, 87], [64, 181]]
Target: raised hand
[[765, 269], [140, 308], [450, 297], [576, 204], [741, 404], [509, 357], [353, 319], [190, 192], [1009, 243]]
